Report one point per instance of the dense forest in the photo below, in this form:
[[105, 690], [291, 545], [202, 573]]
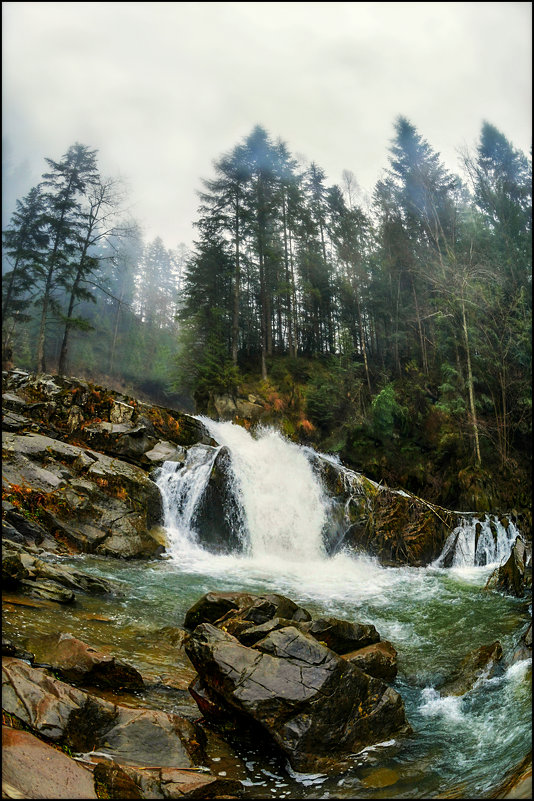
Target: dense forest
[[394, 331]]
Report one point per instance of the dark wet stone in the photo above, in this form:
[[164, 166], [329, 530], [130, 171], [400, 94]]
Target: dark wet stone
[[316, 706], [485, 660], [342, 636]]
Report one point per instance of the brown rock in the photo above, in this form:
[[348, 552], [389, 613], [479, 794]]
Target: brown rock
[[63, 713], [79, 663], [37, 770], [379, 659], [485, 659], [342, 636]]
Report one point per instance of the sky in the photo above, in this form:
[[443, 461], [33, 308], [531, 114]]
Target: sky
[[162, 90]]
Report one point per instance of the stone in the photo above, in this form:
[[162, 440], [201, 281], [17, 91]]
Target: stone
[[47, 589], [251, 610], [84, 722], [484, 661], [316, 706], [378, 659], [164, 451], [80, 664], [213, 605], [37, 770], [122, 781], [342, 636], [514, 577]]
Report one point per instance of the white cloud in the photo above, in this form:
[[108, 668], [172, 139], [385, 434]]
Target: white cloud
[[163, 89]]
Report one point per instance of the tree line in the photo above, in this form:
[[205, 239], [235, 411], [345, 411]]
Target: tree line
[[81, 289], [434, 273], [429, 278]]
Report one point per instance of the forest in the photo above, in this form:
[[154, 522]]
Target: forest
[[392, 330]]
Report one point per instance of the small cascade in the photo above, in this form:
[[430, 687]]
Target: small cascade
[[182, 488], [476, 543]]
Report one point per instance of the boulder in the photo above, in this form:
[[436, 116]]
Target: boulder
[[342, 636], [524, 646], [379, 660], [48, 590], [122, 781], [79, 487], [316, 706], [213, 605], [252, 610], [37, 770], [515, 576], [484, 661], [61, 713], [80, 664]]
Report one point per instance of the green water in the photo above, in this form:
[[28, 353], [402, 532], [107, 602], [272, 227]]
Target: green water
[[460, 747]]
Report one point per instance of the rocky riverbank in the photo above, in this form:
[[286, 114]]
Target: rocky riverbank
[[79, 718]]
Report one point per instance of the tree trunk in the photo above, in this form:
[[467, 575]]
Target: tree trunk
[[237, 282], [470, 385]]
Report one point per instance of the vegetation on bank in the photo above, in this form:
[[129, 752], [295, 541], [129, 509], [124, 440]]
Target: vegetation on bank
[[393, 330]]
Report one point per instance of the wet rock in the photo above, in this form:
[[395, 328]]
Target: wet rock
[[524, 646], [251, 610], [54, 709], [79, 663], [120, 496], [165, 452], [342, 636], [514, 577], [36, 770], [13, 570], [316, 706], [48, 590], [15, 422], [213, 605], [121, 781], [484, 661], [217, 515], [379, 660], [30, 530], [9, 649], [519, 782]]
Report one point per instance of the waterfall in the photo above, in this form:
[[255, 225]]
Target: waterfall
[[182, 487], [282, 507], [478, 543], [271, 504]]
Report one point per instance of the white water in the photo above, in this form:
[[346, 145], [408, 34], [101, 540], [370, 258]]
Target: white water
[[492, 547], [182, 487], [284, 513]]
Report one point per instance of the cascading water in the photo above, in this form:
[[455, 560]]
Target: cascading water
[[478, 543], [434, 616], [182, 487], [282, 503]]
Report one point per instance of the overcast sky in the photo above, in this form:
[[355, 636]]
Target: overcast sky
[[163, 89]]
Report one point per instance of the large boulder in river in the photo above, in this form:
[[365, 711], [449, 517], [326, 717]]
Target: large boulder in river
[[515, 576], [317, 707], [342, 636], [378, 659], [220, 607], [482, 662]]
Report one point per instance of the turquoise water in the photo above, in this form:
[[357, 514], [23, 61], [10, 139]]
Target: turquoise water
[[462, 745]]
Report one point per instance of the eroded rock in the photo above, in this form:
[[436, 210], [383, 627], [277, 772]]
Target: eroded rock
[[316, 706], [81, 664]]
